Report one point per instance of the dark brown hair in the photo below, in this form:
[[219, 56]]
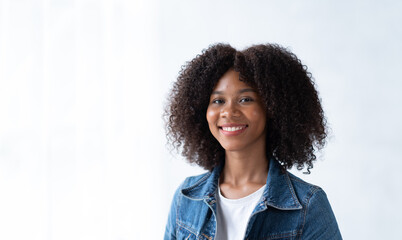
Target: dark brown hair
[[296, 126]]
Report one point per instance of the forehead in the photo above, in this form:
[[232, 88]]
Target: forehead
[[230, 81]]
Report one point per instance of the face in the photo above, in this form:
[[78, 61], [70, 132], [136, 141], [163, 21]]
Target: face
[[236, 115]]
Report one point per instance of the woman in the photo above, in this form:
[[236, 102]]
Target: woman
[[246, 117]]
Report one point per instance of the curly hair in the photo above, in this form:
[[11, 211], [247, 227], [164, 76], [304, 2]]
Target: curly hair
[[296, 126]]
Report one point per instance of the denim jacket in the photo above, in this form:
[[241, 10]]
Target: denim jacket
[[289, 208]]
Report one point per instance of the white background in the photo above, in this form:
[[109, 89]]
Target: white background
[[82, 89]]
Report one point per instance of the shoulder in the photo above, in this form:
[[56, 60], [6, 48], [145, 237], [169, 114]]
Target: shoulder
[[176, 213], [310, 196], [193, 187], [194, 180], [303, 189], [319, 221]]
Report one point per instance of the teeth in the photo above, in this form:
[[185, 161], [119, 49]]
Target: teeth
[[232, 129]]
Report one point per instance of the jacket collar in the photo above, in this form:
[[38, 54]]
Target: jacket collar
[[279, 192]]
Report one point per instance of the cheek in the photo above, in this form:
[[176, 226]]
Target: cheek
[[212, 116], [258, 115]]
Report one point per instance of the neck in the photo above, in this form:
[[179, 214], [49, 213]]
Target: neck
[[244, 167]]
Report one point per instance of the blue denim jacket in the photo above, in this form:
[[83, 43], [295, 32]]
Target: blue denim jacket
[[288, 209]]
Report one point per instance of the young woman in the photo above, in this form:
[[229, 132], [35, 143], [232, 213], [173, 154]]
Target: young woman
[[246, 117]]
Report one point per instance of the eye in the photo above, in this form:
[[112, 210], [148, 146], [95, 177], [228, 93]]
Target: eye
[[246, 99], [217, 101]]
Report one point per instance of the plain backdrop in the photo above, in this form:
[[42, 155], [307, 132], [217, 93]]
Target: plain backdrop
[[83, 84]]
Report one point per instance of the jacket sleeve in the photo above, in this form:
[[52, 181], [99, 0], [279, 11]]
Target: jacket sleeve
[[320, 222], [170, 231]]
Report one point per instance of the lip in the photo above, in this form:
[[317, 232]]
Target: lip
[[232, 125], [232, 133]]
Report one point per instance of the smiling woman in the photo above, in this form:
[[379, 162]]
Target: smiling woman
[[248, 116], [235, 114]]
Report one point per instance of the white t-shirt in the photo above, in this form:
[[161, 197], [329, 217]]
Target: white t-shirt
[[232, 215]]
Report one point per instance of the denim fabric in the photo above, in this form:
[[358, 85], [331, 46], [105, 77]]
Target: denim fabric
[[288, 209]]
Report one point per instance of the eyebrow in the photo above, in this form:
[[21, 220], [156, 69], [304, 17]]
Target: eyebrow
[[240, 91]]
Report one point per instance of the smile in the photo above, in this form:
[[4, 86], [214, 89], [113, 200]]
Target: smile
[[232, 130]]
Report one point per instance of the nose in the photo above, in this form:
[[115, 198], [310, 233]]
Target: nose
[[229, 110]]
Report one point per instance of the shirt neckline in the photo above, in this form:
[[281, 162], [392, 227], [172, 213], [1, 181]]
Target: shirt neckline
[[242, 200]]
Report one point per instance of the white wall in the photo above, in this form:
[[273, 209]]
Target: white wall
[[82, 88]]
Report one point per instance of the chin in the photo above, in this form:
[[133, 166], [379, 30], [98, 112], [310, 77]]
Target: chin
[[232, 147]]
